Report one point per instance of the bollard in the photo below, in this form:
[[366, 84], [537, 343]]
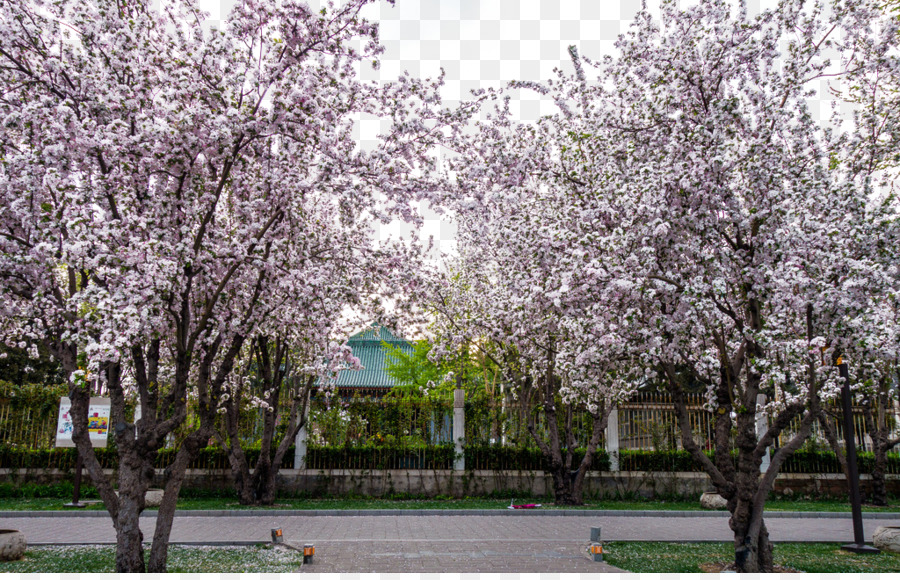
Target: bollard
[[308, 552], [596, 547], [277, 537]]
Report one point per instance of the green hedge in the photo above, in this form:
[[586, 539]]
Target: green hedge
[[665, 461], [64, 458], [805, 461], [498, 458], [486, 457], [380, 457]]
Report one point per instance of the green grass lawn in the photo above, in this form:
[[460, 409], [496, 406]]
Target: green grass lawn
[[665, 557], [8, 503], [182, 559], [642, 557]]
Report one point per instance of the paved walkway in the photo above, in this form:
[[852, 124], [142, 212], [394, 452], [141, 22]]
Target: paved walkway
[[529, 542]]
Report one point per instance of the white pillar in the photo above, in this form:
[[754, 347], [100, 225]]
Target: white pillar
[[612, 439], [459, 428], [502, 415], [896, 410], [762, 425], [301, 438]]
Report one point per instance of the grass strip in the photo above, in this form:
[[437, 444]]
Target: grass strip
[[667, 557], [182, 559]]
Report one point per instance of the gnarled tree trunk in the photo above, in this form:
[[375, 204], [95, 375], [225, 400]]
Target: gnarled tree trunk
[[568, 484], [259, 487], [740, 482]]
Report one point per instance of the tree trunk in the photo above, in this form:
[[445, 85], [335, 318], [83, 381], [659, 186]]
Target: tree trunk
[[752, 552], [876, 422], [741, 485], [125, 510], [880, 447], [264, 479], [564, 492], [568, 485], [752, 548], [129, 538], [259, 487], [189, 449], [266, 488], [240, 469]]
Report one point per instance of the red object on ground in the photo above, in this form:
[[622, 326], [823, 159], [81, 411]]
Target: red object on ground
[[525, 506]]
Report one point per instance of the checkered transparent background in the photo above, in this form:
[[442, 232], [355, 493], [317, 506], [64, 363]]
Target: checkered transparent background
[[482, 43]]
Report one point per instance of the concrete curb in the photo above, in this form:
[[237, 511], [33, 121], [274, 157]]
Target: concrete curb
[[460, 512], [319, 542]]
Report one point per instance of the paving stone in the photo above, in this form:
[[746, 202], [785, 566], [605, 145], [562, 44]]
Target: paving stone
[[440, 543]]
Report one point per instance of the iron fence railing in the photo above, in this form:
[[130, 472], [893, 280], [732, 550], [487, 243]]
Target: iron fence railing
[[27, 427], [374, 432], [648, 421]]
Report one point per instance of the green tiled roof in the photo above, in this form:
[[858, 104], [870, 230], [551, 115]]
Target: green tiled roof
[[367, 346]]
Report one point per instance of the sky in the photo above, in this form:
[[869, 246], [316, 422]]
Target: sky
[[481, 44], [484, 43]]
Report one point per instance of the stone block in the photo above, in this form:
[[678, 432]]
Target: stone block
[[153, 497], [12, 545], [887, 538], [712, 501]]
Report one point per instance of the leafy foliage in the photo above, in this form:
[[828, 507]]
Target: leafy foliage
[[17, 365]]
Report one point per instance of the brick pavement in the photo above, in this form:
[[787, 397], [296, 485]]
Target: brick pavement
[[425, 557], [256, 528], [436, 543]]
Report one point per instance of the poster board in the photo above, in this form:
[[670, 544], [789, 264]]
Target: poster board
[[98, 422]]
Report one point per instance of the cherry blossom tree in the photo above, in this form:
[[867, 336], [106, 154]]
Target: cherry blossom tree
[[165, 189], [868, 335], [275, 372], [548, 369], [738, 226], [527, 289], [296, 354], [687, 206]]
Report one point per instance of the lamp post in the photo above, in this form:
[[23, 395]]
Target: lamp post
[[859, 542]]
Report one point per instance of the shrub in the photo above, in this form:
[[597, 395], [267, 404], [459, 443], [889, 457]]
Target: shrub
[[486, 457]]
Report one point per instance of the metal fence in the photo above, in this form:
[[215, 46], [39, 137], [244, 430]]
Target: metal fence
[[646, 422], [26, 427], [506, 423]]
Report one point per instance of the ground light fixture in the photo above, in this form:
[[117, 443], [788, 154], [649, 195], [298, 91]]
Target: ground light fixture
[[596, 547], [277, 536]]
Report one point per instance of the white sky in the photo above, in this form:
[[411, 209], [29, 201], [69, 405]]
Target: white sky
[[482, 43]]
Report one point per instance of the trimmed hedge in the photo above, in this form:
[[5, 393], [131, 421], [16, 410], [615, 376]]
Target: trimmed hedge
[[497, 458], [64, 458], [805, 461], [664, 461], [486, 457], [380, 457]]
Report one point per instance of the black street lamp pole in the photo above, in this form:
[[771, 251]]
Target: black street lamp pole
[[859, 542]]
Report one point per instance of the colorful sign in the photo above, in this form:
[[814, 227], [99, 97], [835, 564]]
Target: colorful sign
[[98, 422]]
